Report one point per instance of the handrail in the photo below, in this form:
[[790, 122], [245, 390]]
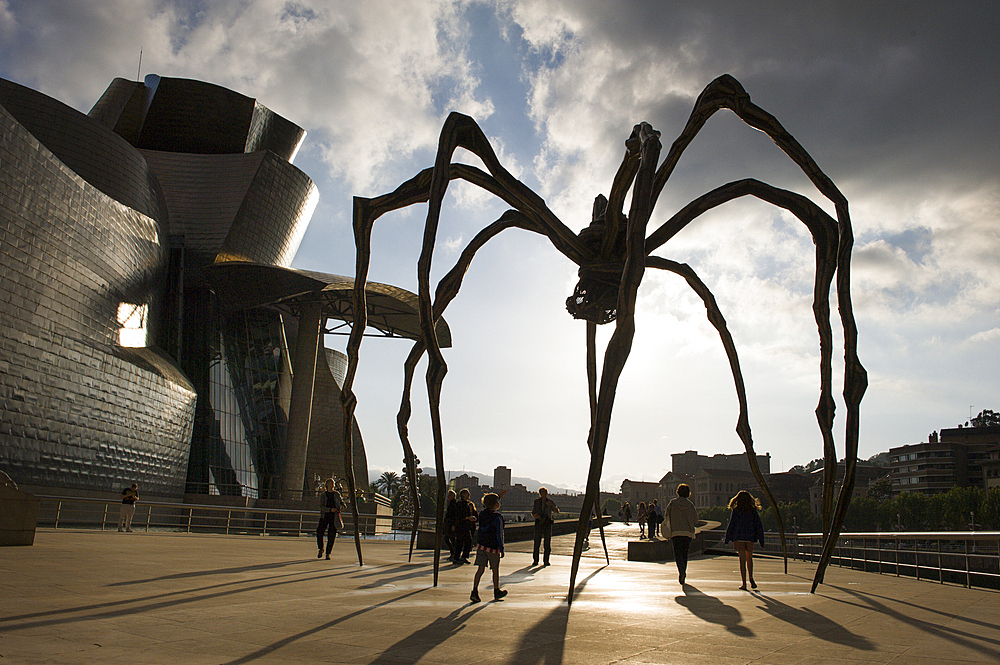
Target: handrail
[[88, 512], [970, 558]]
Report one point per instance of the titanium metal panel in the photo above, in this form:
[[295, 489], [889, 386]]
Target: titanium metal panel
[[77, 410]]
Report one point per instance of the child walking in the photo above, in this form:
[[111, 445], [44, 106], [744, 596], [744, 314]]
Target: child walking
[[489, 546]]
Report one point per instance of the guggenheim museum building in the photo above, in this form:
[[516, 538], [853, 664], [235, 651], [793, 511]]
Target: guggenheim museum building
[[153, 329]]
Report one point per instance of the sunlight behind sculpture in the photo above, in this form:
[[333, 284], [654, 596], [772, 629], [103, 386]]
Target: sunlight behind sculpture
[[613, 253]]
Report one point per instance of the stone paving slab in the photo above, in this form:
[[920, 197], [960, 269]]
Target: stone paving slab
[[138, 598]]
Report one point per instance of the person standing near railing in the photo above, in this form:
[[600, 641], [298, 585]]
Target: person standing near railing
[[330, 506], [129, 496]]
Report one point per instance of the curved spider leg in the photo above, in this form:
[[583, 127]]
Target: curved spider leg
[[726, 92], [366, 212], [620, 343], [461, 131], [402, 418], [619, 188], [824, 231], [855, 384], [592, 392], [447, 290]]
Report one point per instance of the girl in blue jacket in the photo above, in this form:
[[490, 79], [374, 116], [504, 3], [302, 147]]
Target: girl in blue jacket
[[745, 528]]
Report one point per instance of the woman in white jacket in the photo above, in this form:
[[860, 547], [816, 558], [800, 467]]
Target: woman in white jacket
[[682, 518]]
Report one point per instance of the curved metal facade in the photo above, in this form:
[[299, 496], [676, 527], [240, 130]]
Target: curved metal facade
[[83, 256], [118, 363]]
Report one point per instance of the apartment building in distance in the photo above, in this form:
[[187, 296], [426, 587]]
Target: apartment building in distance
[[956, 457]]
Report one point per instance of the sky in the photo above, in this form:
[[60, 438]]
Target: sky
[[896, 101]]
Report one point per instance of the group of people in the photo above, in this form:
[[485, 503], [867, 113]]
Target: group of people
[[649, 517], [463, 525], [745, 528]]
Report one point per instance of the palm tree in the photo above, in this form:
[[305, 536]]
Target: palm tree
[[388, 483]]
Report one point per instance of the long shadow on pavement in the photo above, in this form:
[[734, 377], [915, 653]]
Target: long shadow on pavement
[[131, 606], [817, 624], [966, 639], [250, 657], [545, 642], [217, 571], [711, 609]]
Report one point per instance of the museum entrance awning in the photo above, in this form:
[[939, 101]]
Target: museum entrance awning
[[391, 310]]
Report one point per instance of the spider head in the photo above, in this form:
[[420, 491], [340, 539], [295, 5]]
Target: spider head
[[595, 297]]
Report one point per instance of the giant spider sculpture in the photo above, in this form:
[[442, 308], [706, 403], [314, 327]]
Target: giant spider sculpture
[[613, 252]]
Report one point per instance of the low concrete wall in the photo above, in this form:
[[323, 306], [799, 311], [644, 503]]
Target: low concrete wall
[[663, 549], [18, 517], [513, 532]]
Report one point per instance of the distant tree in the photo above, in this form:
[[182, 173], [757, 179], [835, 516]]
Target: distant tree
[[716, 514], [881, 489], [389, 483], [808, 468], [986, 418], [611, 506], [880, 460], [990, 508], [796, 516]]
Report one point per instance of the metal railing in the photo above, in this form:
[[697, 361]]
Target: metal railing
[[970, 558], [60, 512]]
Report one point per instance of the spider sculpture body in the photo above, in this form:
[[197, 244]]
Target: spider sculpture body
[[613, 253]]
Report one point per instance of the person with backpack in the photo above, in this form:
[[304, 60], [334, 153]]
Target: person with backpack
[[489, 546]]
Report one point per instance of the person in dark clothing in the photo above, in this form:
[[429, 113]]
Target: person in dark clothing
[[129, 496], [489, 546], [543, 511], [450, 518], [654, 516], [330, 506], [745, 528], [465, 513]]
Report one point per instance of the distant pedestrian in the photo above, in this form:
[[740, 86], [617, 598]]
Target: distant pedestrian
[[654, 515], [450, 519], [744, 529], [465, 524], [681, 516], [640, 517], [330, 506], [628, 513], [489, 546], [543, 511], [129, 496]]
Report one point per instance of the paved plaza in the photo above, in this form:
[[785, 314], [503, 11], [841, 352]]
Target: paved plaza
[[137, 598]]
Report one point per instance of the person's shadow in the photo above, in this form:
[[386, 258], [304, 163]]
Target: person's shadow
[[711, 609], [817, 624]]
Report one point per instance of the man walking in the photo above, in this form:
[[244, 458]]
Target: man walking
[[543, 512]]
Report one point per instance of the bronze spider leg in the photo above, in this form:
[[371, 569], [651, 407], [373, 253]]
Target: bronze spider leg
[[447, 290], [592, 391], [620, 344], [726, 92], [461, 131], [430, 185], [825, 235]]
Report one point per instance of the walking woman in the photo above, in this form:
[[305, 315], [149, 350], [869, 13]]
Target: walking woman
[[745, 528], [641, 519], [682, 519]]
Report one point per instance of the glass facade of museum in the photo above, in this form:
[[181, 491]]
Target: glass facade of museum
[[118, 361]]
